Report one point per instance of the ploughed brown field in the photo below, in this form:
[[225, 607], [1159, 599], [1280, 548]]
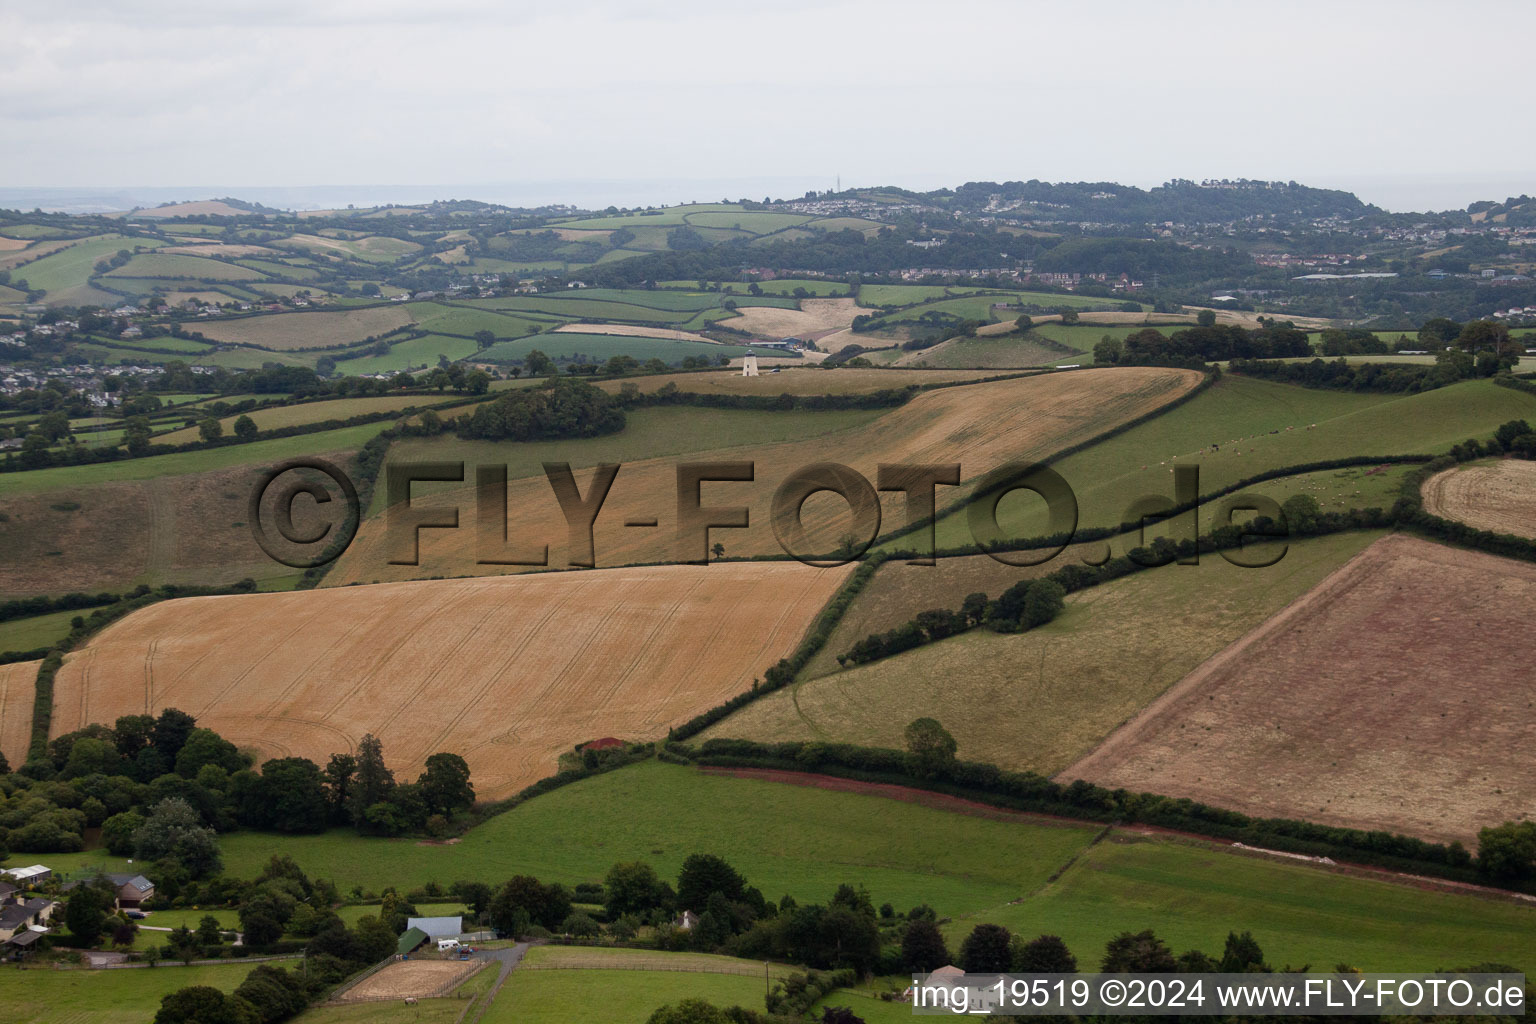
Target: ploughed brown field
[[17, 682], [507, 671], [1395, 695], [1498, 496], [980, 426]]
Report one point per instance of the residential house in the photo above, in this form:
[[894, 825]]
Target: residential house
[[23, 921], [133, 891]]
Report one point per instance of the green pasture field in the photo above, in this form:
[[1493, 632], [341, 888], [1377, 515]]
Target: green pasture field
[[687, 299], [817, 840], [492, 265], [648, 237], [1020, 701], [242, 358], [189, 916], [193, 229], [805, 841], [72, 267], [164, 342], [999, 351], [257, 453], [614, 255], [1082, 338], [754, 222], [859, 224], [557, 997], [665, 217], [276, 417], [1192, 894], [1259, 425], [783, 287], [195, 268], [648, 434], [598, 347], [533, 995], [907, 294], [280, 270], [968, 307], [105, 997], [32, 231], [413, 353], [38, 631], [572, 308], [443, 319], [355, 912]]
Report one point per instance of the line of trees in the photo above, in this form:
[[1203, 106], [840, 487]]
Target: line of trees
[[161, 788]]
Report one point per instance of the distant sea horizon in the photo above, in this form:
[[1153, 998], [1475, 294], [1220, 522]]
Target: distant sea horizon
[[1404, 193]]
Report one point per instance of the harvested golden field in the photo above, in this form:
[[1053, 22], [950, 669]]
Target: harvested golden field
[[814, 318], [17, 681], [800, 380], [1498, 496], [981, 426], [13, 244], [203, 208], [416, 978], [226, 250], [1040, 700], [1395, 696], [635, 331], [288, 331], [507, 671]]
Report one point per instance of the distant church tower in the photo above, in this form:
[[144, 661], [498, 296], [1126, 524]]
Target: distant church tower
[[749, 365]]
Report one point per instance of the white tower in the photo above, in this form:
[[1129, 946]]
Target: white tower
[[749, 365]]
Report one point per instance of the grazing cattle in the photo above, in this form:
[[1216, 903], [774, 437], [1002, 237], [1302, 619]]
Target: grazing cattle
[[410, 1000]]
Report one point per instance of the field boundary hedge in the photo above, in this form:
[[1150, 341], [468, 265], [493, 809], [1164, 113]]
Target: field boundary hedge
[[1085, 801]]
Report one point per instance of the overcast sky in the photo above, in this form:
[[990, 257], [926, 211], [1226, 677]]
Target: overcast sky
[[1410, 104]]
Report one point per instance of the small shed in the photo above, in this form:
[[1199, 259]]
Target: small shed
[[410, 940]]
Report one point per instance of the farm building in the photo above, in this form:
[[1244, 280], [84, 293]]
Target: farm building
[[410, 940], [437, 927], [34, 874]]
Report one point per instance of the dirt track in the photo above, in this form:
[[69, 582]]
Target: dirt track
[[1395, 695]]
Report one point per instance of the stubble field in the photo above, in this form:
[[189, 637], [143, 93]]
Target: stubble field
[[507, 672], [1498, 496], [980, 426], [289, 331], [17, 683]]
